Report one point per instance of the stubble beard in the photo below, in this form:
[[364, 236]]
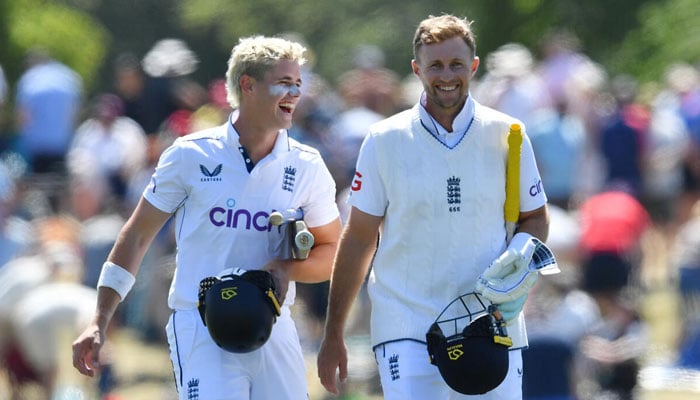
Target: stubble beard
[[444, 104]]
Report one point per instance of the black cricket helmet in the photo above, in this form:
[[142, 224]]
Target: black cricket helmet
[[239, 309], [469, 344]]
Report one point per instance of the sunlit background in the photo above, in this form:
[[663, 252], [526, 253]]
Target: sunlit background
[[633, 59]]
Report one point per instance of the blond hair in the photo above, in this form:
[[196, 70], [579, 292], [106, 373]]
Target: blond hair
[[256, 55]]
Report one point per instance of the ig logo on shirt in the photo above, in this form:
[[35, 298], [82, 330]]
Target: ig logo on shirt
[[357, 182]]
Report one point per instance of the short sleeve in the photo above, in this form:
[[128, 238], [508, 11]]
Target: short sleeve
[[532, 195], [166, 191], [321, 207], [367, 191]]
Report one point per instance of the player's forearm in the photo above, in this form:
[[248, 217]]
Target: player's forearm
[[136, 236], [107, 301], [127, 254], [318, 266], [349, 271], [535, 222], [124, 260], [129, 250]]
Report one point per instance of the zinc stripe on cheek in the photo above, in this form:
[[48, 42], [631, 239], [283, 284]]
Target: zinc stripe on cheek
[[281, 89]]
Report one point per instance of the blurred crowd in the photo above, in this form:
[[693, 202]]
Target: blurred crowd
[[620, 163]]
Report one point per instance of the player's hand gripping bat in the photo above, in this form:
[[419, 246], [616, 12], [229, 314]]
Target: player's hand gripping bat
[[290, 224]]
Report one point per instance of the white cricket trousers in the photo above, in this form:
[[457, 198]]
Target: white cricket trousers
[[406, 373], [204, 371]]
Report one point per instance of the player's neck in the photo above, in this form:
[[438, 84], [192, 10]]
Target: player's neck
[[257, 139], [444, 120], [444, 117]]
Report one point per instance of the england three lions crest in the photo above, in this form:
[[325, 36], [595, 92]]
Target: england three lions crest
[[454, 194], [289, 178]]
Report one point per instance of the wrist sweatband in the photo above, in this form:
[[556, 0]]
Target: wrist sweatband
[[117, 278]]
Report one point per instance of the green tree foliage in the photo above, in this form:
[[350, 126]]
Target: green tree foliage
[[599, 24], [333, 28], [669, 31], [135, 26], [635, 36], [69, 35]]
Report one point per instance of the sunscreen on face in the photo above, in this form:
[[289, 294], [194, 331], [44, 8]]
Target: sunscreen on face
[[281, 89]]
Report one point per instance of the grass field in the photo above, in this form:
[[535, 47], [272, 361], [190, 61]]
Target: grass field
[[144, 371]]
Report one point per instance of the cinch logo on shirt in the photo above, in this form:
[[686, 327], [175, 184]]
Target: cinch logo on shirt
[[235, 218], [536, 188]]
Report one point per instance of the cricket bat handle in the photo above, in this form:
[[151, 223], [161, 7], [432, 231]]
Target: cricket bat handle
[[512, 203], [278, 218], [303, 240]]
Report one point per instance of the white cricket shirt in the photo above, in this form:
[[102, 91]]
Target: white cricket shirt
[[442, 203], [221, 209]]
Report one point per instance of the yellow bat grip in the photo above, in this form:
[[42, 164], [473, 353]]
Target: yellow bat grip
[[512, 204]]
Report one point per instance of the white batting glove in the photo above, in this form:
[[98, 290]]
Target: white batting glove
[[514, 273], [511, 309]]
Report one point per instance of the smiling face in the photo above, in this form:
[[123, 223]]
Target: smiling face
[[275, 96], [445, 69]]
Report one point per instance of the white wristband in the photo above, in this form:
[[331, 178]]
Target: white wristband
[[117, 278]]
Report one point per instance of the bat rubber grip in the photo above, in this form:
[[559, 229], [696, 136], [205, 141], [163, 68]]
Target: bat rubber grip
[[512, 204]]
